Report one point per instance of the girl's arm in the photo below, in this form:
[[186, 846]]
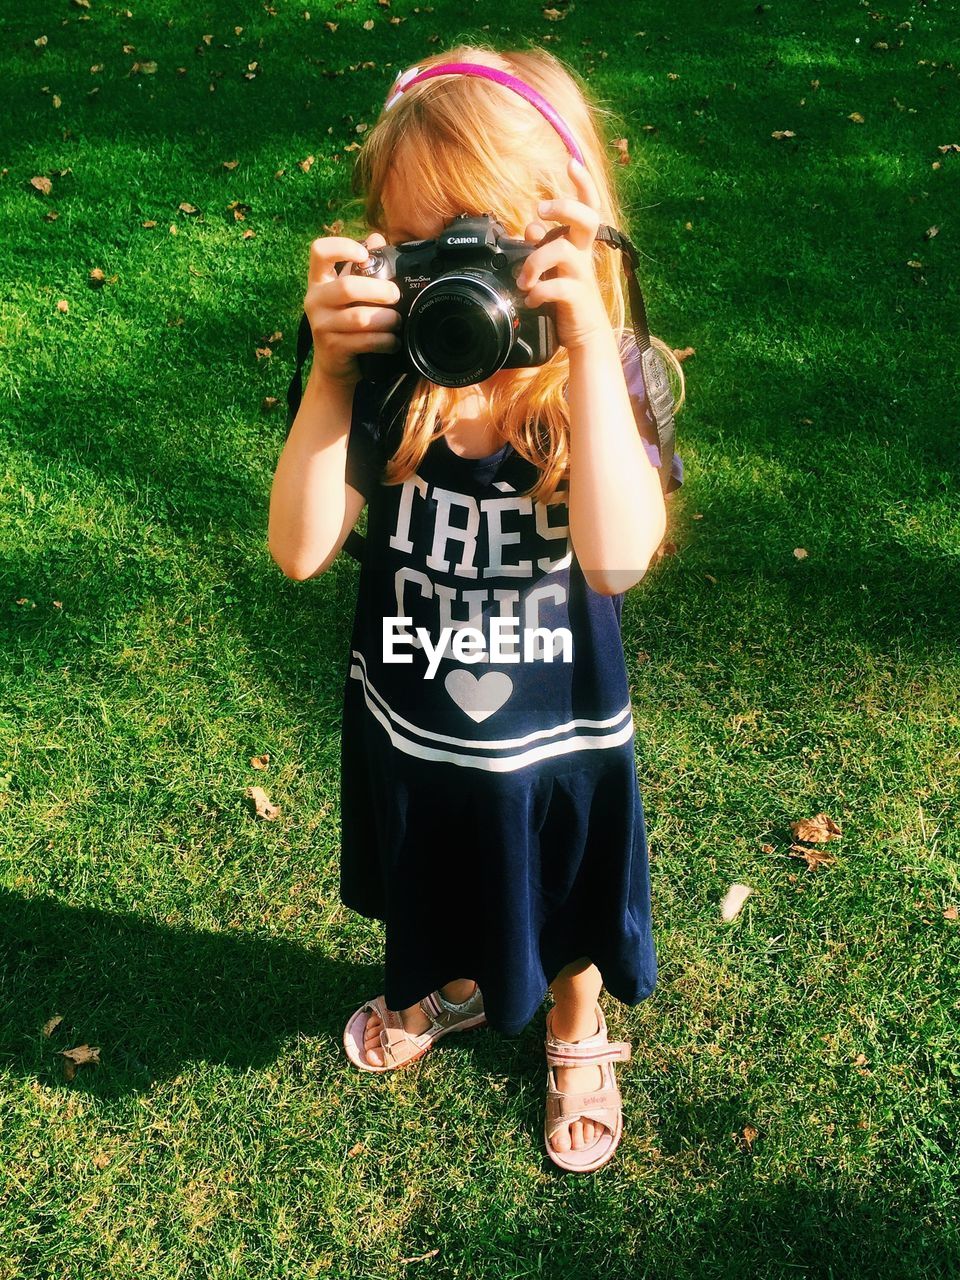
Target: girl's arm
[[312, 509], [615, 501]]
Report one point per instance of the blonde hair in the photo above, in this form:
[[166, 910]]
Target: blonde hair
[[468, 144]]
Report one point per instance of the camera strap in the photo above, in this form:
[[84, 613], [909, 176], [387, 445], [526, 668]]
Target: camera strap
[[655, 381]]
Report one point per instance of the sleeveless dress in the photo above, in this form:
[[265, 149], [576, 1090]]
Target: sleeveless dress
[[490, 811]]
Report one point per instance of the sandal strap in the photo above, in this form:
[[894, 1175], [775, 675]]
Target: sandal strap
[[602, 1115], [398, 1044], [389, 1017], [570, 1105], [443, 1015], [602, 1105], [584, 1054]]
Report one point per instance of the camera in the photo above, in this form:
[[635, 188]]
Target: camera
[[463, 317]]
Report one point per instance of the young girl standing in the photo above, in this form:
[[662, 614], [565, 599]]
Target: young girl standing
[[490, 813]]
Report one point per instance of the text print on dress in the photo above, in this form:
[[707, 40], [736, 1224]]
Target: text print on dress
[[452, 524]]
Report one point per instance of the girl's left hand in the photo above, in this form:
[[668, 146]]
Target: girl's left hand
[[574, 289]]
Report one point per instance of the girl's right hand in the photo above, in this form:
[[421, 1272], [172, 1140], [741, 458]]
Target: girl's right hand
[[348, 313]]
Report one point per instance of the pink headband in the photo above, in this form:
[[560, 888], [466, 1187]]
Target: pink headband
[[414, 75]]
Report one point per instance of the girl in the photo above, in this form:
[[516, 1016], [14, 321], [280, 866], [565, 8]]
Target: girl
[[490, 813]]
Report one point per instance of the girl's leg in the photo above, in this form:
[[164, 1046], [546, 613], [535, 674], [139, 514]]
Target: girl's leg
[[414, 1019], [576, 990]]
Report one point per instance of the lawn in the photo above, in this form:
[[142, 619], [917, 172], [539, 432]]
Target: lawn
[[791, 1109]]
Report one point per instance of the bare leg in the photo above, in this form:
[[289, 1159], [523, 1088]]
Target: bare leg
[[576, 990], [414, 1019]]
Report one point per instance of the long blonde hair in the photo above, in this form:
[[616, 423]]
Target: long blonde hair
[[468, 144]]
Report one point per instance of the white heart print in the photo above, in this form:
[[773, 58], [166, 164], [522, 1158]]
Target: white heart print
[[481, 697]]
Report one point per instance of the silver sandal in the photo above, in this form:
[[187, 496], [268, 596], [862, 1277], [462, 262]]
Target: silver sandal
[[603, 1105], [399, 1047]]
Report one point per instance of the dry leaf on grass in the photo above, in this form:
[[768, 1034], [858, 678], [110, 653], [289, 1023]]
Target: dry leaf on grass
[[79, 1056], [261, 762], [813, 857], [816, 830], [50, 1026], [264, 807]]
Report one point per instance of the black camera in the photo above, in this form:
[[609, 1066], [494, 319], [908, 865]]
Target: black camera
[[463, 317]]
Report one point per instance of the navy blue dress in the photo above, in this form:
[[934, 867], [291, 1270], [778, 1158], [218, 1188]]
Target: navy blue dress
[[490, 815]]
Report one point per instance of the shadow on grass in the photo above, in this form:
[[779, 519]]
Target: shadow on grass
[[736, 1229], [155, 997]]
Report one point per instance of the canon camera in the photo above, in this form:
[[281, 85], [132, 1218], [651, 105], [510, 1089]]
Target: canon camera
[[463, 317]]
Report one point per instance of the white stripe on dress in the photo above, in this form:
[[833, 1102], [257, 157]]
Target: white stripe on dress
[[486, 744], [494, 764]]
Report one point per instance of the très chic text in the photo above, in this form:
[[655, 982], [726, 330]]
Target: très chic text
[[455, 542]]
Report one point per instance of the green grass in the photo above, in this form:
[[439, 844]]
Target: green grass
[[150, 647]]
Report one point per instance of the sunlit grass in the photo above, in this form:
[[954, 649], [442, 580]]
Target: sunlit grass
[[789, 1107]]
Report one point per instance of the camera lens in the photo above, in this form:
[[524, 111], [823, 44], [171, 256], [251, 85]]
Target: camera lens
[[459, 330]]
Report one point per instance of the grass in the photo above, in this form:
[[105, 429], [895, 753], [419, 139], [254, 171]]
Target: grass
[[791, 1107]]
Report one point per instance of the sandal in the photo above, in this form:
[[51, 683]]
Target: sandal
[[603, 1105], [399, 1046]]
